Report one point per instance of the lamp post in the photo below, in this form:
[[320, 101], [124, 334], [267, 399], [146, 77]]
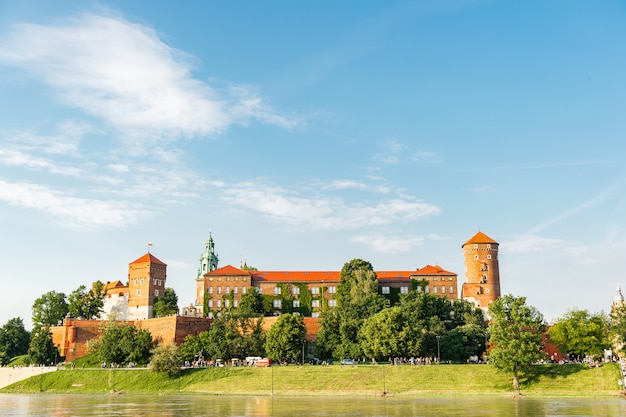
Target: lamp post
[[303, 345], [438, 351]]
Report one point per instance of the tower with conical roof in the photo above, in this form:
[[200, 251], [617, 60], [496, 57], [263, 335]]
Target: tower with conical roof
[[482, 273]]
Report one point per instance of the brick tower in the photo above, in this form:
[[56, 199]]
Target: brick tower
[[146, 280], [482, 274]]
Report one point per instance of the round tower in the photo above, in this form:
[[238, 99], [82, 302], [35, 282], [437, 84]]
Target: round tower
[[482, 273]]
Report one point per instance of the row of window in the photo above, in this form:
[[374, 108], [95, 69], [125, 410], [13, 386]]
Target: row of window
[[436, 290], [314, 290], [226, 290], [228, 278], [156, 293], [155, 281]]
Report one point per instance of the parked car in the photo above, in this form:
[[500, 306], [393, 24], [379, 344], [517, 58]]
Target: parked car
[[348, 362]]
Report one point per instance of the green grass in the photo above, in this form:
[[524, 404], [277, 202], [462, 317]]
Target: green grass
[[18, 361], [570, 380]]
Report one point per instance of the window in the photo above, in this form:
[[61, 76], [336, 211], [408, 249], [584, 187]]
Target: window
[[243, 278], [488, 246], [219, 290], [315, 303], [277, 290], [227, 278], [210, 290], [332, 290], [434, 290], [385, 290], [488, 256], [295, 290], [227, 290], [138, 293], [443, 289], [156, 293], [404, 289], [451, 289], [210, 303], [219, 278], [450, 279], [332, 303], [226, 303], [154, 281], [219, 303], [475, 245], [210, 278], [475, 256], [243, 290], [315, 290], [235, 303], [136, 281], [419, 289], [434, 278], [296, 303], [278, 303], [235, 290], [236, 279], [315, 314], [141, 281], [427, 289]]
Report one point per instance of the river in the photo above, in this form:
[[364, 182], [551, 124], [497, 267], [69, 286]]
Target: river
[[212, 406]]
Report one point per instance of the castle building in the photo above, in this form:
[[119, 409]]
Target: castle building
[[307, 293], [135, 300], [482, 274]]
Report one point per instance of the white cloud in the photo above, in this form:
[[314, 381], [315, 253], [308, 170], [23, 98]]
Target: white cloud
[[124, 74], [531, 243], [320, 212], [389, 244], [72, 212]]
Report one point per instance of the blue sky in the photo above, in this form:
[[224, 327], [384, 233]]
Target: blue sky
[[305, 134]]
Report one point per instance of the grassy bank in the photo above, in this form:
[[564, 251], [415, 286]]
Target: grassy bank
[[569, 380]]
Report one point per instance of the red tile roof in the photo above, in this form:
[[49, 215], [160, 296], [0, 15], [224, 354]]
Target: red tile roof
[[324, 276], [148, 257], [433, 270], [480, 237]]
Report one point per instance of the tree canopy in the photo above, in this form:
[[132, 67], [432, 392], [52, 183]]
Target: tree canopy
[[166, 305], [579, 333], [122, 343], [41, 350], [284, 340], [166, 358], [14, 340], [515, 335], [49, 309], [85, 304]]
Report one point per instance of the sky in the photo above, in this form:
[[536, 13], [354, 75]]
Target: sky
[[302, 135]]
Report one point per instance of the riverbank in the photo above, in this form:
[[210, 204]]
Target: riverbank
[[336, 380]]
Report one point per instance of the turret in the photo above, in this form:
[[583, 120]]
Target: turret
[[482, 273]]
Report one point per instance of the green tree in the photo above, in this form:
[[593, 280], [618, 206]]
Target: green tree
[[166, 358], [14, 340], [515, 335], [357, 294], [580, 334], [251, 303], [85, 304], [390, 333], [41, 350], [166, 305], [328, 335], [464, 341], [49, 309], [122, 343], [284, 339]]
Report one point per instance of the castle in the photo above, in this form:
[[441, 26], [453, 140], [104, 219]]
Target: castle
[[307, 293]]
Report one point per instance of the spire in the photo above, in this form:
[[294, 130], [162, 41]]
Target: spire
[[618, 300], [208, 259]]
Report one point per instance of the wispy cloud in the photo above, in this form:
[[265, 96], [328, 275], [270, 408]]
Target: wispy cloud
[[531, 243], [395, 152], [73, 212], [125, 75], [323, 212], [389, 244]]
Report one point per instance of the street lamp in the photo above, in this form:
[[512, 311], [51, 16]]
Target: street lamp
[[303, 345], [438, 352]]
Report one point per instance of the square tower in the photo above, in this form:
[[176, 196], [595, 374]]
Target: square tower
[[146, 280]]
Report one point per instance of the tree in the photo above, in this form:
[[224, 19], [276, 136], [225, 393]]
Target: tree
[[166, 358], [166, 305], [580, 334], [515, 334], [357, 294], [14, 340], [85, 304], [285, 338], [121, 343], [390, 333], [49, 309], [251, 303], [41, 350]]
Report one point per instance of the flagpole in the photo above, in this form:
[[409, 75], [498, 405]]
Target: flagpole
[[149, 245]]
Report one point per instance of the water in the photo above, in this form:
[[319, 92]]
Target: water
[[212, 406]]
